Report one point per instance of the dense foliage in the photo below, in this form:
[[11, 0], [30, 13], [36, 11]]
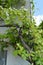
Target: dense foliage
[[22, 34], [12, 3]]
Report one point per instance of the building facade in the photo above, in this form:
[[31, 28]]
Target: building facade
[[6, 57]]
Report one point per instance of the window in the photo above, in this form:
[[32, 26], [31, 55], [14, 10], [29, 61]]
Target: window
[[3, 57]]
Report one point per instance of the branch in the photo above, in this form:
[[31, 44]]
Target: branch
[[21, 38], [24, 44], [26, 47], [9, 25], [12, 25], [5, 25]]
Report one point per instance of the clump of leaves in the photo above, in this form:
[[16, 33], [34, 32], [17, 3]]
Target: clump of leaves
[[22, 34], [12, 3]]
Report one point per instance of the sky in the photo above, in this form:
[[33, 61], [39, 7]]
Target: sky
[[38, 7], [38, 14]]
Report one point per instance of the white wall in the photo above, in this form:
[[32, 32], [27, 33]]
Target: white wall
[[15, 60], [27, 5]]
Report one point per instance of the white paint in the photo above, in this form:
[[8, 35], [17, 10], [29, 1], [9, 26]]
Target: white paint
[[27, 5], [3, 30], [15, 60]]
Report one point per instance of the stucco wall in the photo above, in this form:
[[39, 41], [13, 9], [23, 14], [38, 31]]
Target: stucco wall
[[15, 60], [27, 5]]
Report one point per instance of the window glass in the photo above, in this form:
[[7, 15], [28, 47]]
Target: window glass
[[3, 57]]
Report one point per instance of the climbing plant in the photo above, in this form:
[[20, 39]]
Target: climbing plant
[[12, 3], [22, 34]]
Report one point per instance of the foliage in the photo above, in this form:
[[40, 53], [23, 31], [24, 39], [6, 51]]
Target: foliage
[[41, 25], [41, 28], [22, 34], [12, 3]]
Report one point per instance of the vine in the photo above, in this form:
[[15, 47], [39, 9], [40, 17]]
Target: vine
[[12, 3], [22, 34]]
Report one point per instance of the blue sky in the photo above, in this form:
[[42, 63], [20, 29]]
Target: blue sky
[[38, 15], [38, 7]]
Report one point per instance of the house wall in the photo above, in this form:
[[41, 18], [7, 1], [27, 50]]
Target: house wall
[[15, 60], [27, 5], [11, 59]]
